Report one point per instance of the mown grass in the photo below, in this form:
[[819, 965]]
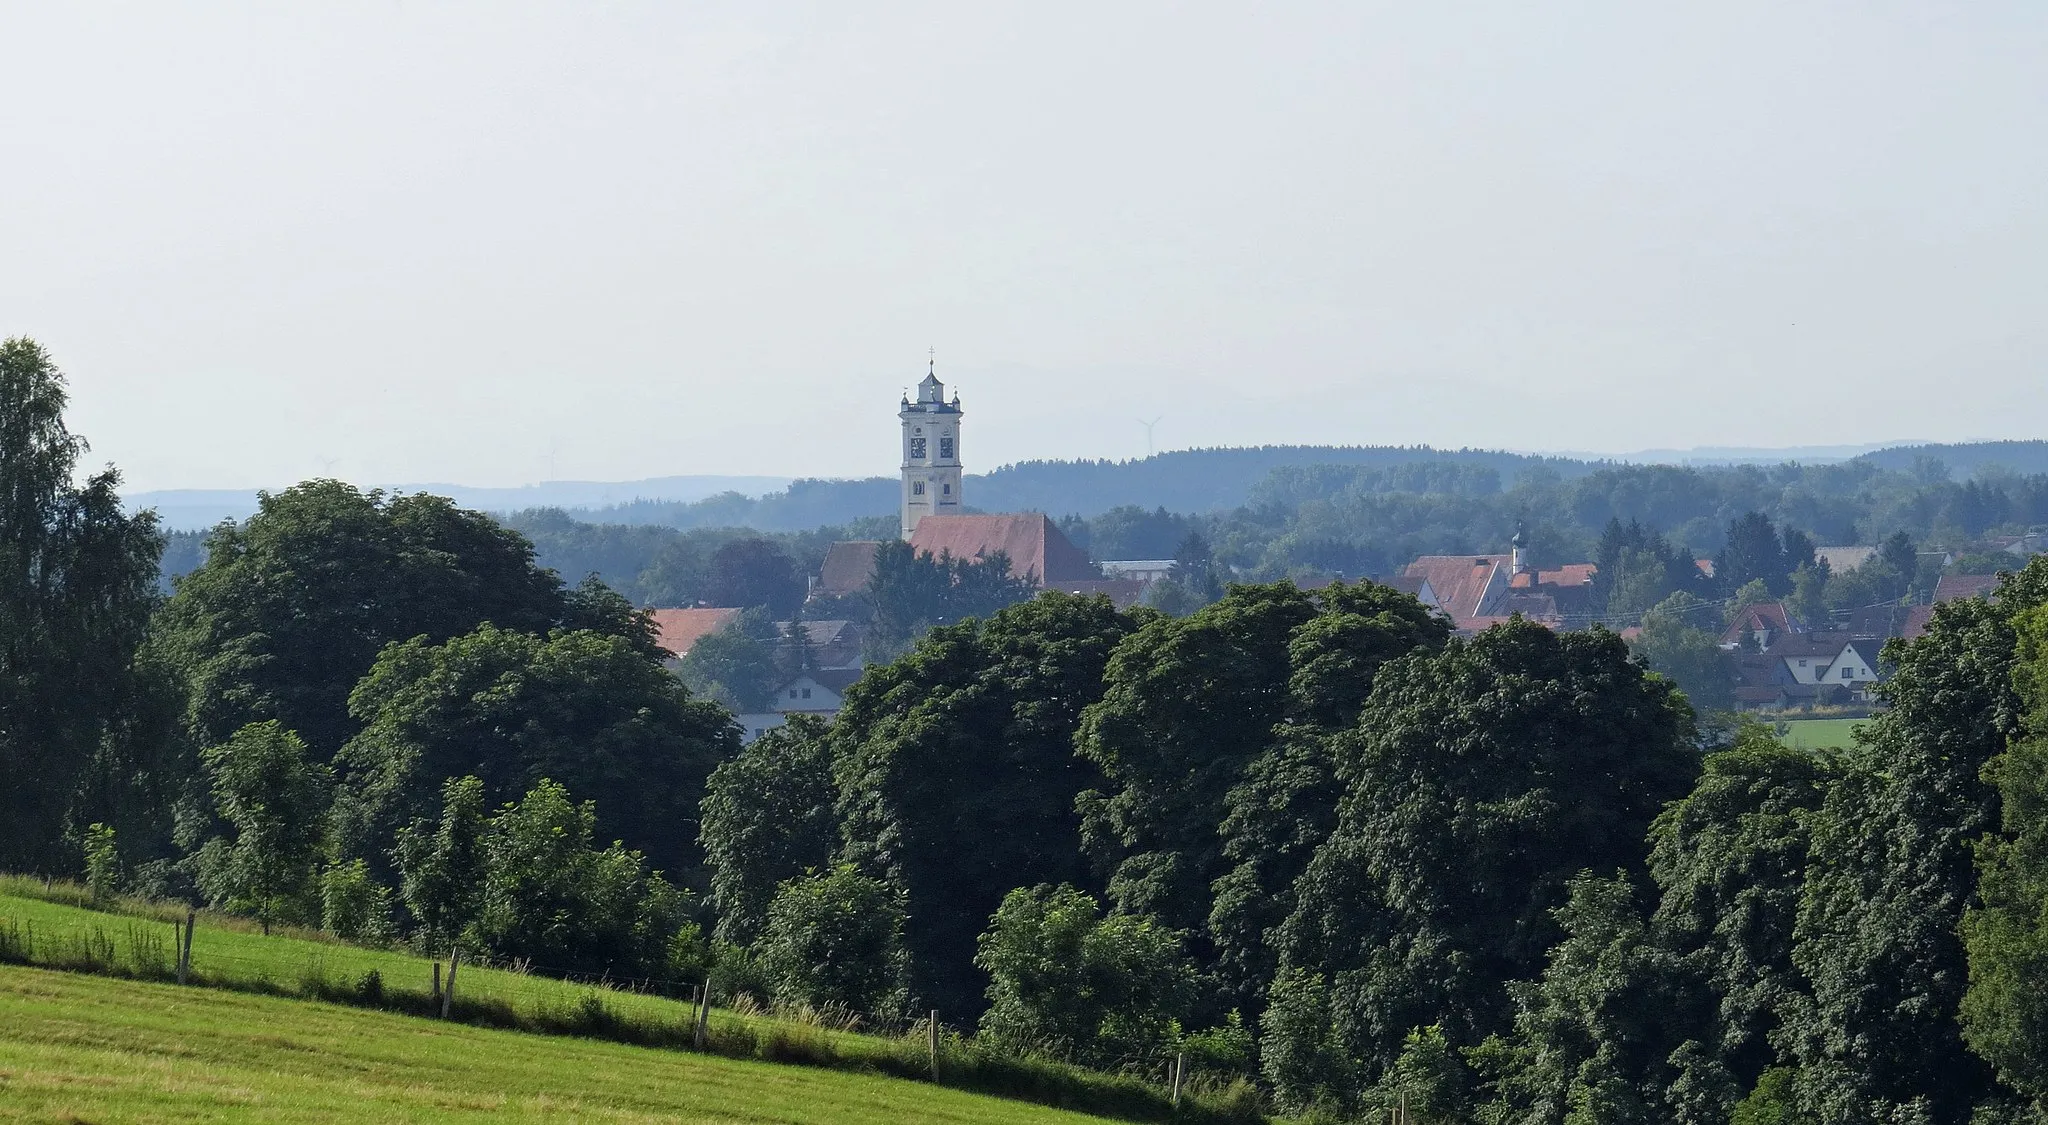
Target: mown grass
[[75, 1047], [55, 927], [1816, 734]]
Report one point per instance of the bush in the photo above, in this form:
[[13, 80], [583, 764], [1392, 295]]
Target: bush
[[102, 863], [354, 906], [1069, 983], [836, 938]]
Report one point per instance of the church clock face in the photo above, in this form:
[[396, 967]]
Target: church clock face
[[917, 448]]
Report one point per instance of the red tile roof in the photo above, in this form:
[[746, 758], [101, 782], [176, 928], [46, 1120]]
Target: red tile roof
[[1460, 581], [1570, 574], [1951, 587], [1035, 547], [679, 629], [1761, 615], [1917, 618], [848, 566]]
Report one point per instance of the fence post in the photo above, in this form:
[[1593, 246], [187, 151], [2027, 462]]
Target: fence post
[[185, 946], [448, 997], [702, 1033], [1180, 1070], [932, 1043]]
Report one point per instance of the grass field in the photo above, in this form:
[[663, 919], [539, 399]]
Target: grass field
[[1815, 734], [75, 1047], [49, 928]]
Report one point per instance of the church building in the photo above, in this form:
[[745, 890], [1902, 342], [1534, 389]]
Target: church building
[[931, 453]]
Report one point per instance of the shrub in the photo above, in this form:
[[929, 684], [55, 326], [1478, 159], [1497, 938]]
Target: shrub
[[102, 863], [1070, 983], [836, 938], [354, 906]]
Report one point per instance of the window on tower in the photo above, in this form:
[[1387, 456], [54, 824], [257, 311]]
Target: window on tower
[[917, 449], [917, 488], [946, 448], [947, 489]]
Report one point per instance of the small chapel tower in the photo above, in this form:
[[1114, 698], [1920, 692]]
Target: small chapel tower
[[931, 453]]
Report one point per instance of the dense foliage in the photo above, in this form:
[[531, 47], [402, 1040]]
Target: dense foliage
[[1301, 837], [77, 583]]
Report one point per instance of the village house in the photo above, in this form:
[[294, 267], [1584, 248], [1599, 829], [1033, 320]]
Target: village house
[[1479, 591]]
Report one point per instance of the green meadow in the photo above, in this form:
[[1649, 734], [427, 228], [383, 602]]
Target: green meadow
[[79, 1047], [238, 972], [1818, 734]]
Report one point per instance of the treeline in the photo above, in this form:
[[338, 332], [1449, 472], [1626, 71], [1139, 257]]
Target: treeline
[[1313, 519], [1511, 878]]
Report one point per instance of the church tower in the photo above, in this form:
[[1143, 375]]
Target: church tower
[[931, 453]]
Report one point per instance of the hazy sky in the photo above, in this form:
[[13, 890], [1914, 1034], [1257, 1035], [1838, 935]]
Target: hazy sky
[[499, 242]]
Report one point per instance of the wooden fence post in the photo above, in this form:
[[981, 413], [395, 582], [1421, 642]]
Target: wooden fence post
[[448, 997], [185, 946], [1180, 1070], [702, 1033], [932, 1043]]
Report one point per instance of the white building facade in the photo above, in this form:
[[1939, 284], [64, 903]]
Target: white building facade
[[931, 454]]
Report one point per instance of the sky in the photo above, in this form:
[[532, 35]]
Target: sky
[[503, 242]]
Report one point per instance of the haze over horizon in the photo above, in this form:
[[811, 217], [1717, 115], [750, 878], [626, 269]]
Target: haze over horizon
[[493, 245]]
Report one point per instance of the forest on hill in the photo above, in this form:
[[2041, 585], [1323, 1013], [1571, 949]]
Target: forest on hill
[[1328, 520]]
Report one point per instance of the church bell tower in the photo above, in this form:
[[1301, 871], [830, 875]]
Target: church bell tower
[[931, 453]]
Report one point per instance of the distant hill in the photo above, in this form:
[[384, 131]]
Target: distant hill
[[1187, 481], [1966, 459], [192, 509]]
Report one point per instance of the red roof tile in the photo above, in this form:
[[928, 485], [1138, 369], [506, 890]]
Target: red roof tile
[[848, 566], [1035, 547], [681, 628], [1951, 587], [1460, 581]]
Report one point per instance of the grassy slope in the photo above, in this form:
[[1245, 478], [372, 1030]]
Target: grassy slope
[[230, 953], [77, 1047]]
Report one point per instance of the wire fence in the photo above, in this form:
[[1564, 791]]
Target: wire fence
[[50, 931]]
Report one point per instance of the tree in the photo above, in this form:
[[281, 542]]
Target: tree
[[2005, 1012], [1808, 599], [1195, 570], [441, 865], [1187, 704], [77, 583], [1674, 646], [1477, 782], [1590, 1038], [552, 897], [767, 817], [958, 776], [589, 710], [1754, 552], [913, 592], [1285, 803], [275, 802], [753, 572], [292, 607], [1730, 862], [733, 668], [1069, 983], [102, 863], [1892, 872], [835, 939]]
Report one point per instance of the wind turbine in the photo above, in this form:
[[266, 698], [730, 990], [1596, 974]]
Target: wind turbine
[[327, 465], [1148, 432]]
